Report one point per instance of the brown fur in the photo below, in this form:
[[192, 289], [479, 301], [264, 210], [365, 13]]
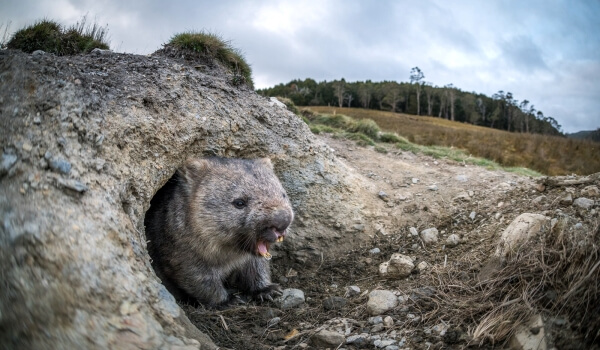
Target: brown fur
[[204, 227]]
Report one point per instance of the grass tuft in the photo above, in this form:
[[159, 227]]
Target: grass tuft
[[51, 37], [213, 46]]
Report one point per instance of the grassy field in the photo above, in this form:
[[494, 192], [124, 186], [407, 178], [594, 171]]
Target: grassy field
[[551, 155]]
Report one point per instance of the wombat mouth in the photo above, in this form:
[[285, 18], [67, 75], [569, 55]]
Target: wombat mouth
[[262, 246]]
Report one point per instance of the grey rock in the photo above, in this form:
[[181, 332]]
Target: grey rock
[[391, 347], [358, 339], [383, 196], [462, 178], [383, 343], [291, 298], [272, 322], [462, 197], [432, 188], [377, 328], [429, 236], [584, 203], [453, 240], [388, 321], [334, 303], [519, 231], [38, 53], [327, 339], [399, 266], [60, 165], [375, 320], [415, 180], [352, 291], [538, 200], [413, 231], [375, 251], [6, 162], [566, 199], [72, 184], [590, 191], [472, 215], [381, 301]]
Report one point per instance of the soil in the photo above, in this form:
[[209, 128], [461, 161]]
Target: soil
[[470, 201]]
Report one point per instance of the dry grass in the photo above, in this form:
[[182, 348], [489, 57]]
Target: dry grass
[[551, 155], [556, 273]]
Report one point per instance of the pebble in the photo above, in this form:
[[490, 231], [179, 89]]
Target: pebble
[[72, 184], [538, 200], [375, 320], [429, 236], [388, 321], [432, 188], [375, 251], [60, 165], [566, 199], [334, 303], [453, 240], [358, 340], [590, 191], [352, 291], [273, 321], [413, 231], [381, 301], [584, 203], [462, 178], [383, 343], [27, 147], [415, 180], [399, 266], [6, 162], [462, 197], [290, 298], [472, 215], [383, 196], [377, 328], [423, 266], [327, 339]]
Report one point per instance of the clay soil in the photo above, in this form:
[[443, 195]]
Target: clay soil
[[421, 192]]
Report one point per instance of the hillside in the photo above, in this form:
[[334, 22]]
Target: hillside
[[388, 249], [551, 155]]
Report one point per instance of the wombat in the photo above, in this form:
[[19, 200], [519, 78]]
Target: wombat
[[210, 227]]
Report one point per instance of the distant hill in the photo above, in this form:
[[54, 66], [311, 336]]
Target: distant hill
[[593, 135]]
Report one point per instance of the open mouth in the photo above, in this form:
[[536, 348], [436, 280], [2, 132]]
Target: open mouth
[[262, 246]]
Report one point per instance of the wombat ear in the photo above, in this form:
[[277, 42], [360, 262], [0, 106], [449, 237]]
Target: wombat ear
[[266, 162], [193, 169]]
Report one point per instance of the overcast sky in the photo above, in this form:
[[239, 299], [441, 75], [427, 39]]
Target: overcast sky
[[545, 51]]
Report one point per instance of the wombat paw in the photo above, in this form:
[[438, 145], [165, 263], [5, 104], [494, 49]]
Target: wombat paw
[[268, 293]]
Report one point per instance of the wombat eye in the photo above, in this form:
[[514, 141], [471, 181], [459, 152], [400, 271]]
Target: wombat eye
[[239, 203]]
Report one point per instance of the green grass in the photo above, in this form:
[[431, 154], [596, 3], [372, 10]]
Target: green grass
[[213, 46], [51, 37]]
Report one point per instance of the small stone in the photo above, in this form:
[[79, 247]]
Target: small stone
[[538, 200], [6, 162], [415, 180], [462, 178], [399, 266], [60, 165], [37, 120], [381, 301], [375, 251], [352, 291], [590, 191], [462, 197], [423, 266], [432, 188], [37, 53], [358, 340], [334, 303], [413, 231], [375, 320], [388, 321], [566, 199], [27, 147], [472, 215], [429, 236], [383, 196], [327, 339], [377, 328], [519, 231], [291, 298], [72, 184], [453, 240], [383, 343], [584, 203]]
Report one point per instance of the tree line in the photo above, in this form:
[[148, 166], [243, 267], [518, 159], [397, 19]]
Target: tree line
[[500, 111]]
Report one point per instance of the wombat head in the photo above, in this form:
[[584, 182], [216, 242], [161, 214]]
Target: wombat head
[[237, 204]]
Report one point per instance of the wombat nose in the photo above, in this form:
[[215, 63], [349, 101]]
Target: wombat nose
[[281, 220]]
